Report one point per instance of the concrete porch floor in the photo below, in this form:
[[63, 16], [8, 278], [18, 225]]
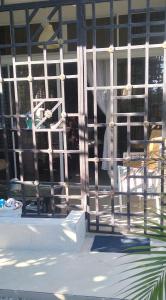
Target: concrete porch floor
[[63, 276]]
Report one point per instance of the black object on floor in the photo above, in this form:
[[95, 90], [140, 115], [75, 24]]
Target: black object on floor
[[119, 244]]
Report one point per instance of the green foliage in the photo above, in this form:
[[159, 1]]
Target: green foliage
[[149, 279]]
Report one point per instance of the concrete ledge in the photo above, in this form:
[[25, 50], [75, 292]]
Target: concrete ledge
[[60, 235], [22, 295]]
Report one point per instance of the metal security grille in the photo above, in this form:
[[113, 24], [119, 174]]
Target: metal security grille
[[127, 115], [82, 87], [40, 113]]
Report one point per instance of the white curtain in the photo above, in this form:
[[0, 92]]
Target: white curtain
[[103, 100]]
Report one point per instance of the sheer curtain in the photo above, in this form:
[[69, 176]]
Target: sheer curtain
[[103, 100]]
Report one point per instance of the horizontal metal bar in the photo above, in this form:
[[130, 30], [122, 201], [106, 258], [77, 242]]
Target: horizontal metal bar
[[31, 5], [44, 151], [151, 9], [43, 4], [143, 35], [122, 48], [52, 61], [121, 26]]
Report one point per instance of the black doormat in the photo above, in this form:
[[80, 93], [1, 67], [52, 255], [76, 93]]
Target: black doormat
[[120, 244]]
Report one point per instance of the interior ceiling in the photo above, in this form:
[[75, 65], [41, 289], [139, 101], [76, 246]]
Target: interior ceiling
[[69, 11]]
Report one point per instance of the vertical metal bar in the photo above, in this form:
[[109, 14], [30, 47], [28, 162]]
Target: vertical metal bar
[[146, 107], [50, 154], [86, 132], [112, 137], [163, 181], [96, 159], [128, 120], [64, 114], [60, 133], [12, 125], [13, 49], [128, 174], [162, 166], [53, 204], [81, 104], [33, 118], [4, 127], [117, 33]]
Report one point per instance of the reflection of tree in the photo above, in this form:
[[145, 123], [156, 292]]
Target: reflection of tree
[[155, 104], [72, 133], [155, 94], [156, 69]]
